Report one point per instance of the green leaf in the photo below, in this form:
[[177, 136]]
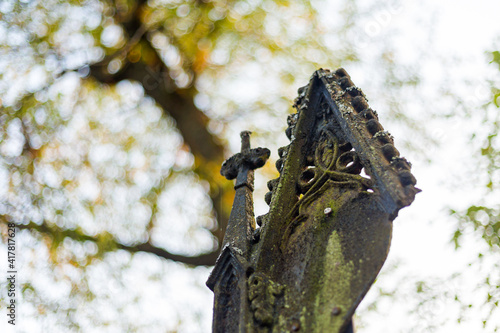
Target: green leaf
[[496, 58]]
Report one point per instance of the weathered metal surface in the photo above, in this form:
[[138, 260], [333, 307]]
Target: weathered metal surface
[[329, 227], [228, 279]]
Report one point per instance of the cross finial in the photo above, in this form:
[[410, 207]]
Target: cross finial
[[247, 159]]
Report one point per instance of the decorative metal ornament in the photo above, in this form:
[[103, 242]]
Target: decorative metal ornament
[[328, 230]]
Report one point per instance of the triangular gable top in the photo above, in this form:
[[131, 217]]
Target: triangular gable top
[[228, 257]]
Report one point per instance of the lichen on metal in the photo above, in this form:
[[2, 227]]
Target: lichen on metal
[[329, 226]]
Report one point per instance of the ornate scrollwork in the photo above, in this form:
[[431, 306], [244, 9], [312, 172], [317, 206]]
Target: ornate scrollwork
[[334, 163]]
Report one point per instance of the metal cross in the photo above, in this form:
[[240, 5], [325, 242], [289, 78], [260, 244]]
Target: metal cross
[[329, 226]]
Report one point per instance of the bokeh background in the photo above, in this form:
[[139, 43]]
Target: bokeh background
[[116, 115]]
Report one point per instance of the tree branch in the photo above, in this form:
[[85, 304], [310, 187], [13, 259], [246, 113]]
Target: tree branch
[[55, 232], [191, 122], [206, 259]]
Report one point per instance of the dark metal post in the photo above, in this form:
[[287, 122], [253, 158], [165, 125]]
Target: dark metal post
[[328, 230]]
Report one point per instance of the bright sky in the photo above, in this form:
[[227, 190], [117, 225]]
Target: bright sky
[[422, 231]]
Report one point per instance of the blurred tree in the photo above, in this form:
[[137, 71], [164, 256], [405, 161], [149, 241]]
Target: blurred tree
[[113, 129], [482, 217], [150, 49], [106, 140]]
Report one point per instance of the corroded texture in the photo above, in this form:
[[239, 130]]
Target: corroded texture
[[328, 230]]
